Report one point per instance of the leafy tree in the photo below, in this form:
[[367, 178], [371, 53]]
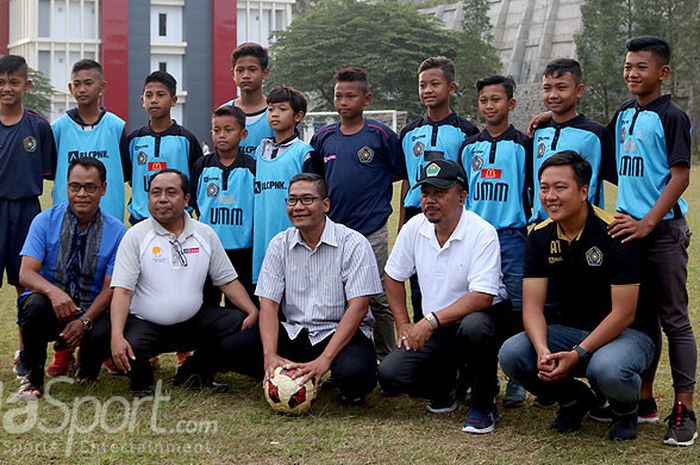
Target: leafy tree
[[387, 39], [38, 98]]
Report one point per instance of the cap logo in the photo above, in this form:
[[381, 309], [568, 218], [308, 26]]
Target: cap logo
[[432, 170]]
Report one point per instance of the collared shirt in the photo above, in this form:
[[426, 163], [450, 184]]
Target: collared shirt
[[580, 272], [167, 273], [469, 261], [76, 261], [313, 287]]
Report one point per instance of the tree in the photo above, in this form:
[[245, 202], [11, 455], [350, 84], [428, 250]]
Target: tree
[[38, 98], [478, 57], [387, 39]]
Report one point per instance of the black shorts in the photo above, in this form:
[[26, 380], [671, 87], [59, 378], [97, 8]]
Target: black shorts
[[15, 218]]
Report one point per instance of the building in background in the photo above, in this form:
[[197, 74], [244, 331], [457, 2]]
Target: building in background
[[192, 40]]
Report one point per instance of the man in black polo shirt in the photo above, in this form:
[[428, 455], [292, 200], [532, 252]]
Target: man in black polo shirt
[[594, 279]]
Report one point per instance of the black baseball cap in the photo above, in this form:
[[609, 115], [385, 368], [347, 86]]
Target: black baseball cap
[[442, 174]]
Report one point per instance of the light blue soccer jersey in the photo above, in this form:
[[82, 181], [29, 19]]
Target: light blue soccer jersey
[[649, 140], [589, 139], [258, 128], [498, 175], [272, 175], [424, 140], [106, 141]]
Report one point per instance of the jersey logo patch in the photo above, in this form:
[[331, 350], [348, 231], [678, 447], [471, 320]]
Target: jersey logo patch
[[594, 256], [157, 165], [540, 150], [157, 255], [491, 173], [418, 149], [191, 250], [212, 189], [477, 163], [365, 155], [142, 158], [29, 144]]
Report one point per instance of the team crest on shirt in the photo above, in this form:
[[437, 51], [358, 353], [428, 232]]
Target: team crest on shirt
[[156, 253], [141, 158], [477, 163], [365, 155], [212, 189], [594, 256], [29, 144], [540, 150], [418, 148]]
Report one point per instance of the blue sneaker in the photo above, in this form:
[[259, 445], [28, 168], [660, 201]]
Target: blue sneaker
[[480, 421]]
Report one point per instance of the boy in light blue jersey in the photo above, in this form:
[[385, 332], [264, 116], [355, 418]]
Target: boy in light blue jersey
[[562, 87], [161, 144], [88, 130], [498, 163], [250, 66], [277, 160], [222, 195]]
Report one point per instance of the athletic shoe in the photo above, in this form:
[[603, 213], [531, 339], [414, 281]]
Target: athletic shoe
[[601, 413], [62, 364], [18, 366], [480, 421], [647, 412], [543, 402], [624, 427], [447, 405], [682, 426], [181, 357], [569, 417], [515, 394]]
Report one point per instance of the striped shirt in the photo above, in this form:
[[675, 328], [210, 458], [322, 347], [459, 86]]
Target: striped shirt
[[313, 286]]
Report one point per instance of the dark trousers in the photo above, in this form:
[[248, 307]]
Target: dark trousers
[[204, 332], [242, 261], [416, 296], [354, 369], [432, 372], [39, 326]]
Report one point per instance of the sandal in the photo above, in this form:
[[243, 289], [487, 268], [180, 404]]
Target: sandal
[[28, 391]]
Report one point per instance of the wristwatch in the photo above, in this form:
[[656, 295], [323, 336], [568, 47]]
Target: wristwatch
[[87, 323], [583, 354]]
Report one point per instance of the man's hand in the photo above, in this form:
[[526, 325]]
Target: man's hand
[[73, 333], [272, 362], [313, 370], [122, 353], [564, 363], [413, 336], [624, 225], [545, 364], [251, 321], [63, 305]]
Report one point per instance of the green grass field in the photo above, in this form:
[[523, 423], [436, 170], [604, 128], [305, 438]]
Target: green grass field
[[102, 425]]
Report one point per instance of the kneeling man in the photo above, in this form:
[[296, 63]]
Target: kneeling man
[[457, 257], [594, 281]]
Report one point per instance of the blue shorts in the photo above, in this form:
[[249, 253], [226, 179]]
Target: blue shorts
[[15, 218]]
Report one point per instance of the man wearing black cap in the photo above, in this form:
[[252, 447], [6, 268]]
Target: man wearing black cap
[[456, 256]]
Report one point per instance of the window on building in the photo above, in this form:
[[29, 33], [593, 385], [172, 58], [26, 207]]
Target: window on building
[[163, 66], [162, 24]]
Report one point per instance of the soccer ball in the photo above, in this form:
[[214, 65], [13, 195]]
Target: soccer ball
[[286, 395]]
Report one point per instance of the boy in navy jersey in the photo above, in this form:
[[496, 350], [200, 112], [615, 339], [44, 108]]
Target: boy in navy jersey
[[250, 66], [562, 87], [438, 134], [277, 159], [27, 156], [652, 139], [498, 163], [222, 195], [361, 158], [88, 130], [161, 144]]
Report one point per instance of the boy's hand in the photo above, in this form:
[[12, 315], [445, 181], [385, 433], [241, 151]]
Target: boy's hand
[[625, 225], [537, 121]]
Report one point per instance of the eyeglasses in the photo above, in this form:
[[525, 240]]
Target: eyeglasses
[[181, 257], [89, 188], [305, 200]]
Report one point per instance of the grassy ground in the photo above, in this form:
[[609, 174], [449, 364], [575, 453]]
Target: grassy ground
[[102, 425]]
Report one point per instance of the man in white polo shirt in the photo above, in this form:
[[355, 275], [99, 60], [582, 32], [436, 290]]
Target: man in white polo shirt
[[456, 256], [158, 279]]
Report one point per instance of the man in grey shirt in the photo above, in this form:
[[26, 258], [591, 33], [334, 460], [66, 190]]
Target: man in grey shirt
[[321, 275]]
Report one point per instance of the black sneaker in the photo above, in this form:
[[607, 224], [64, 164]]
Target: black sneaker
[[569, 417], [198, 382], [601, 414], [624, 427], [446, 405], [543, 402], [647, 412], [682, 426]]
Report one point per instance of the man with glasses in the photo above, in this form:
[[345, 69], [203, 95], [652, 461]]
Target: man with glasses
[[158, 286], [67, 263], [321, 275]]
